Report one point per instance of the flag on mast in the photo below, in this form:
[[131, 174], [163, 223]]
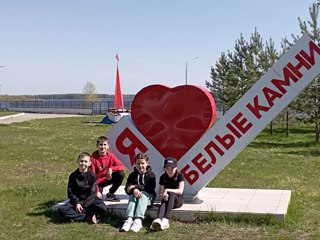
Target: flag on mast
[[118, 99]]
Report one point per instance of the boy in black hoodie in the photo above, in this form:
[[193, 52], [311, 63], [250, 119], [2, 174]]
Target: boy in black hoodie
[[140, 187], [83, 204]]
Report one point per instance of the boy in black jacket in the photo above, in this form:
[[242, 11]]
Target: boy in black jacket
[[140, 187], [83, 204]]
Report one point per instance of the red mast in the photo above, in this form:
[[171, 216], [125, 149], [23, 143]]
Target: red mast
[[118, 99]]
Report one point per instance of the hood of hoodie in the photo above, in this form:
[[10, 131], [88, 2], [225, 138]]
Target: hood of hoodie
[[148, 169]]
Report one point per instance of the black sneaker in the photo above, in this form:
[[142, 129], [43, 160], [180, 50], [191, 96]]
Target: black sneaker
[[112, 198]]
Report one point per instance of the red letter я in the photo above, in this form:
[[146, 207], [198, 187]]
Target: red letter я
[[257, 108], [129, 150]]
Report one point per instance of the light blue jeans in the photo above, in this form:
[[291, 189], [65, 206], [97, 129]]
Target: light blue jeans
[[137, 206]]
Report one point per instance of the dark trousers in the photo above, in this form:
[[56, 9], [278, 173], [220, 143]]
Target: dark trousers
[[95, 208], [174, 201], [116, 181]]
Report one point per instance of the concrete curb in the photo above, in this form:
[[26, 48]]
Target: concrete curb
[[11, 116], [222, 201]]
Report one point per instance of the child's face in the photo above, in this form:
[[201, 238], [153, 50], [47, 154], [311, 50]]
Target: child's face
[[141, 165], [170, 171], [103, 147], [84, 163]]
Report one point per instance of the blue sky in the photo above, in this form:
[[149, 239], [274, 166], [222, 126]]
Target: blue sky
[[55, 46]]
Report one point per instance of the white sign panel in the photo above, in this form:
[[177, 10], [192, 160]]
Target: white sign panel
[[251, 114], [235, 130]]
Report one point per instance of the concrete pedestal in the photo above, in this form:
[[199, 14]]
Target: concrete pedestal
[[225, 201]]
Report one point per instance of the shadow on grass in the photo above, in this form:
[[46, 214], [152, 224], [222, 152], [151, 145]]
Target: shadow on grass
[[45, 209], [305, 145], [293, 130], [116, 221], [112, 219], [254, 220], [261, 144], [314, 153]]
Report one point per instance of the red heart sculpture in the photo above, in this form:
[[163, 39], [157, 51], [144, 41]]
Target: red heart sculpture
[[173, 119]]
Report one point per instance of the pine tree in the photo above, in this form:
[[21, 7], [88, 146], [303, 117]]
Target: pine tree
[[218, 85], [291, 108], [309, 100], [313, 90], [267, 57], [236, 72]]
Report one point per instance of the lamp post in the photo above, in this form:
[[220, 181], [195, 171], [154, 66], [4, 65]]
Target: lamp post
[[187, 68]]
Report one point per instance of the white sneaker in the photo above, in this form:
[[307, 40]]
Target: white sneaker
[[127, 225], [164, 223], [156, 225], [137, 225]]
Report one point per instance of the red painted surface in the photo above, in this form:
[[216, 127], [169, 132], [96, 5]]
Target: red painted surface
[[173, 119], [118, 99]]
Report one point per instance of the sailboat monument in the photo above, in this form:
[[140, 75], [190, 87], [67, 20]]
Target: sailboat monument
[[118, 110]]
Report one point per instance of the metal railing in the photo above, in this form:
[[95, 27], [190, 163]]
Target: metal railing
[[61, 106]]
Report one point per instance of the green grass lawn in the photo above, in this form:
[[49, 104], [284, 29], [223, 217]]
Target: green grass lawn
[[37, 157], [7, 113]]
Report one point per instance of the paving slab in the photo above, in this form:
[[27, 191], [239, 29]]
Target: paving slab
[[225, 201], [11, 116]]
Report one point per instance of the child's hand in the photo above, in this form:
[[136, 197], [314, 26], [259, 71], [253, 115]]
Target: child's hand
[[129, 189], [109, 174], [99, 195], [137, 193], [79, 208], [165, 195]]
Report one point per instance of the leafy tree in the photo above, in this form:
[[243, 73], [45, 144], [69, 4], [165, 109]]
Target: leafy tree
[[89, 91]]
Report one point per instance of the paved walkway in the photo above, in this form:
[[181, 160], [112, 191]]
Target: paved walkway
[[225, 201], [21, 117]]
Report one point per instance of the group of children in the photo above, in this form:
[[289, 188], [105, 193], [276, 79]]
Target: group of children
[[102, 168]]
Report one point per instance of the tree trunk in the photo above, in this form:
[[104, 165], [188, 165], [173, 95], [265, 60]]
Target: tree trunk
[[271, 128], [316, 115], [317, 124], [317, 132], [287, 123]]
